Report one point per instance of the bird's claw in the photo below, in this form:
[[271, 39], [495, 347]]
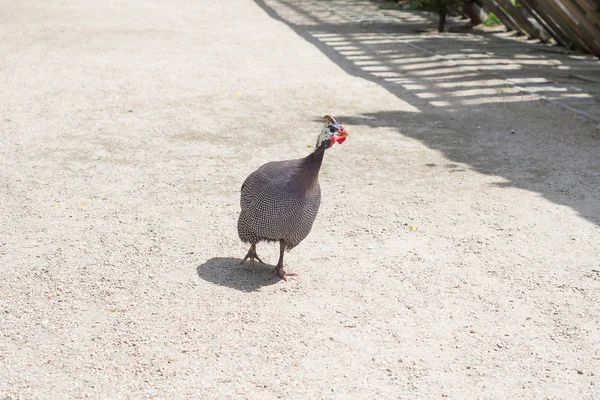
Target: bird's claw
[[252, 256], [278, 271]]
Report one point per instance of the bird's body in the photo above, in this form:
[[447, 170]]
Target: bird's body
[[280, 200], [286, 205]]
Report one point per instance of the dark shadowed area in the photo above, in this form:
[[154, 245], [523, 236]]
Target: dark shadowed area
[[227, 271]]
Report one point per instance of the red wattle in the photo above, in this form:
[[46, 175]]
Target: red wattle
[[334, 139]]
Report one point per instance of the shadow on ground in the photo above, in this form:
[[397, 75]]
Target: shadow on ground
[[465, 93], [227, 271], [449, 71], [567, 175]]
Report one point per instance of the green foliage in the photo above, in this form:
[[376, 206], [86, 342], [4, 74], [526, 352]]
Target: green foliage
[[492, 20], [416, 5]]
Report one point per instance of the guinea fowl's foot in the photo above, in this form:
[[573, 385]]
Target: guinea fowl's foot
[[278, 271], [252, 256]]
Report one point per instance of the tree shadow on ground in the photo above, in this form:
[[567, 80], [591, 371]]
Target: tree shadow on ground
[[564, 173], [449, 71], [466, 94], [227, 271]]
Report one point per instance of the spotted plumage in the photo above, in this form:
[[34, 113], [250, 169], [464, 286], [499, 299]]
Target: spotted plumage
[[283, 208], [280, 200]]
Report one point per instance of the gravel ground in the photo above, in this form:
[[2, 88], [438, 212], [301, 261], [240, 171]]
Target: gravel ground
[[456, 253]]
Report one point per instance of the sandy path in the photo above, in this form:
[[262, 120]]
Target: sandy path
[[125, 134]]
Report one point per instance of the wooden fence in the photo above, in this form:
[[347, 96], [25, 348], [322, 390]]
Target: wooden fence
[[571, 23]]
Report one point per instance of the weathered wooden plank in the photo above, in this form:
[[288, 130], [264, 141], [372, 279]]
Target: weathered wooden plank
[[517, 15], [578, 23], [583, 19], [590, 6], [539, 29], [476, 14], [546, 22], [559, 18]]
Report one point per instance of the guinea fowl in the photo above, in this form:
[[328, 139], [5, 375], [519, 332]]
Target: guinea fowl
[[280, 200]]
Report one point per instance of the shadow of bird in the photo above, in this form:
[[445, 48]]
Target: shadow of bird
[[226, 271]]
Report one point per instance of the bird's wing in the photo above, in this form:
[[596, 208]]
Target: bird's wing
[[264, 180]]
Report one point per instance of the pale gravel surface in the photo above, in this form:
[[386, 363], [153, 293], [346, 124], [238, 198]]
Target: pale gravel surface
[[126, 131]]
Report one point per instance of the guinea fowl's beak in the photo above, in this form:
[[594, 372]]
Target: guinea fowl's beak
[[340, 136]]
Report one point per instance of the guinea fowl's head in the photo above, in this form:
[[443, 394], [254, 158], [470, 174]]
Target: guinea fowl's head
[[333, 132]]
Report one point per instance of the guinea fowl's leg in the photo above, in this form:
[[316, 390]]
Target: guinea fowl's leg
[[278, 271], [252, 255]]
